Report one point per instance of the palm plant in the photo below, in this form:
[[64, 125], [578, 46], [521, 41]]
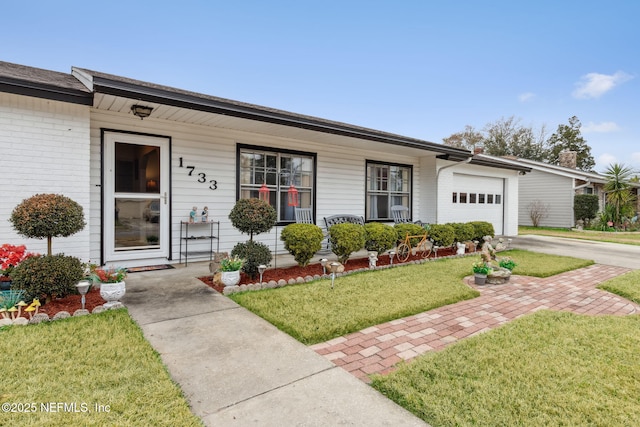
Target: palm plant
[[618, 191]]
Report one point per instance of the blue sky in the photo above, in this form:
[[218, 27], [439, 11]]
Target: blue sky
[[423, 69]]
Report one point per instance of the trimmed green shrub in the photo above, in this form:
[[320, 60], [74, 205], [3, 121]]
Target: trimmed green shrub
[[464, 231], [47, 216], [345, 239], [254, 254], [49, 276], [585, 206], [481, 229], [379, 237], [412, 229], [302, 241], [253, 216], [442, 235]]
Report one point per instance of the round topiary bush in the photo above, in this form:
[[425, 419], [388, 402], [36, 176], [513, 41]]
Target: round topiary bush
[[47, 216], [379, 237], [253, 216], [254, 254], [302, 241], [345, 239], [464, 231], [50, 276], [442, 235], [481, 229]]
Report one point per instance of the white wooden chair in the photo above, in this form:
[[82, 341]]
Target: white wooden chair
[[304, 216], [400, 214]]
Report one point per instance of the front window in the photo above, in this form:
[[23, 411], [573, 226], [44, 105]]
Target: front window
[[387, 185], [279, 170]]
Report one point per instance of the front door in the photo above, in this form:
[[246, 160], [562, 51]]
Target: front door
[[136, 197]]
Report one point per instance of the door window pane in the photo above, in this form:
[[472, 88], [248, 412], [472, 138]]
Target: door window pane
[[137, 223], [137, 168]]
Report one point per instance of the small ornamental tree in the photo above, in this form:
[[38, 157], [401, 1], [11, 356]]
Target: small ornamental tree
[[253, 216], [47, 216]]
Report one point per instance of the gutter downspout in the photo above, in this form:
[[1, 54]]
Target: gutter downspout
[[588, 181], [468, 160]]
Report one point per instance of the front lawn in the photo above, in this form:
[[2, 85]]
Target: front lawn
[[627, 286], [627, 238], [93, 370], [314, 312], [548, 368]]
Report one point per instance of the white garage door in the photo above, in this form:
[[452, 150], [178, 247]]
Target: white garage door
[[478, 198]]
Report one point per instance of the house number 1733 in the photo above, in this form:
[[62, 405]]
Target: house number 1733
[[201, 176]]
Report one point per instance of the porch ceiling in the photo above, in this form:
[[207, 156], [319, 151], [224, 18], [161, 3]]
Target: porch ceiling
[[123, 105]]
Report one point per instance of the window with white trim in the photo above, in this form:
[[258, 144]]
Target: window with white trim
[[278, 169], [387, 185]]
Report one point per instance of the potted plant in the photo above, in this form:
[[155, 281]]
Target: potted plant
[[230, 268], [480, 271], [10, 257], [112, 285], [507, 263]]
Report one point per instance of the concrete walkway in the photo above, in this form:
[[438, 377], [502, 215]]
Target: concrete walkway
[[378, 348], [237, 369]]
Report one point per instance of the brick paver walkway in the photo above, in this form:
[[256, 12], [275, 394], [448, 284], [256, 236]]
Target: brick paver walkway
[[378, 348]]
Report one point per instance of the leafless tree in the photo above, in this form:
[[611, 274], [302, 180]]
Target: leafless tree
[[538, 211]]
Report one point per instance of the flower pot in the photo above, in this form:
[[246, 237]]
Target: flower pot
[[5, 285], [112, 292], [480, 279], [230, 278]]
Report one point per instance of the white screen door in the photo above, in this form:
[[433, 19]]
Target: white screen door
[[136, 197]]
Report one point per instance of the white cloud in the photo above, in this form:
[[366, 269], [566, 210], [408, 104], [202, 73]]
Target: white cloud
[[601, 127], [527, 96], [604, 160], [594, 85], [635, 158]]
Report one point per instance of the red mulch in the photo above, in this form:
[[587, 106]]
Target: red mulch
[[313, 269], [70, 303]]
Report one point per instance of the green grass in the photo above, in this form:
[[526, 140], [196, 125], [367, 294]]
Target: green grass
[[548, 368], [627, 238], [627, 286], [313, 312], [102, 359]]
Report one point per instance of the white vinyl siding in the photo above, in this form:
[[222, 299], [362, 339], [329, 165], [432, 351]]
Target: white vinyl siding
[[339, 186]]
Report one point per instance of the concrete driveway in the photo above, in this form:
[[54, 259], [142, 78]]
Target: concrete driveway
[[601, 252]]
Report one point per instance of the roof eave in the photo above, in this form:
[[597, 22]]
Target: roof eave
[[39, 90], [175, 99]]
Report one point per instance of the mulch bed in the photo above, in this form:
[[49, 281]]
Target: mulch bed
[[296, 271], [93, 299]]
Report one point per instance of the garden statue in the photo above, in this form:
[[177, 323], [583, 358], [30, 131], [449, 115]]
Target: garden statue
[[488, 253], [373, 258], [205, 214], [193, 214], [461, 248]]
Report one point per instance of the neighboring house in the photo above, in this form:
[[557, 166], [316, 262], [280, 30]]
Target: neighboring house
[[555, 187], [81, 135]]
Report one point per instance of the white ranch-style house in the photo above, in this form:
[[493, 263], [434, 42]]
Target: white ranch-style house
[[139, 156]]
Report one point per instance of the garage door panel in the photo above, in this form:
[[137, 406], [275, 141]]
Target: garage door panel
[[490, 188]]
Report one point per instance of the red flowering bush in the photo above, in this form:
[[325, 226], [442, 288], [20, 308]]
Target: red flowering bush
[[11, 256]]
